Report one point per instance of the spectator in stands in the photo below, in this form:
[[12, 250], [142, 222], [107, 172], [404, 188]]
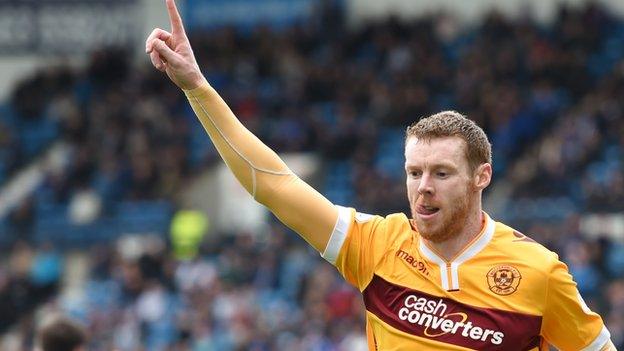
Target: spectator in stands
[[61, 334]]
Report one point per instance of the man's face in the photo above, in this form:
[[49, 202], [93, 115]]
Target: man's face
[[441, 188]]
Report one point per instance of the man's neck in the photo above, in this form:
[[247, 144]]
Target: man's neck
[[450, 248]]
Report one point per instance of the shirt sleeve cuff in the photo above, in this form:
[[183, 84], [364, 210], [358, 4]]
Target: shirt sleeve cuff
[[600, 340], [338, 236]]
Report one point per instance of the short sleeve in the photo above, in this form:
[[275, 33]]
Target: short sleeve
[[568, 323], [356, 245]]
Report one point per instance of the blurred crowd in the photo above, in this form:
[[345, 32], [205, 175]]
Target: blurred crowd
[[549, 97], [241, 293]]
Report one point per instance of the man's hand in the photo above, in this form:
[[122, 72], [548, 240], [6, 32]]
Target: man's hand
[[172, 53]]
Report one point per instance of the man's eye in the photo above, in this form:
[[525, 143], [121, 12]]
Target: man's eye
[[442, 174]]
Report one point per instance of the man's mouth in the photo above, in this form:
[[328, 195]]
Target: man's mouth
[[425, 210]]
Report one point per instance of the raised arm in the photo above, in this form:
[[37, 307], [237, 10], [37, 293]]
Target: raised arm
[[260, 170]]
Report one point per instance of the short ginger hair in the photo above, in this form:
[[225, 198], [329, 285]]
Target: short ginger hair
[[454, 124]]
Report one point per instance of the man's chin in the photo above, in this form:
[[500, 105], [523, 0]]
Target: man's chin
[[431, 234], [433, 237]]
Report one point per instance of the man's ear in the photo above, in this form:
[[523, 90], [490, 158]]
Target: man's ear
[[483, 176]]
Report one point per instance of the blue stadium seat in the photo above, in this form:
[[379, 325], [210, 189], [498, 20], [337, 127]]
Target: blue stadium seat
[[5, 235], [143, 216], [390, 158], [34, 135]]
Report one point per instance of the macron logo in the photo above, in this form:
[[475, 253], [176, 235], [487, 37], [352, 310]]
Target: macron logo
[[412, 261]]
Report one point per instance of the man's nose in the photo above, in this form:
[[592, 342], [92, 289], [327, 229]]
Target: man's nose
[[426, 185]]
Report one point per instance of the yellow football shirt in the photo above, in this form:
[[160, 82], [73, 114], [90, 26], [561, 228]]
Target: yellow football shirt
[[504, 291]]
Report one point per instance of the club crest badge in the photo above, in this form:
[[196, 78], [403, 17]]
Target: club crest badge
[[503, 279]]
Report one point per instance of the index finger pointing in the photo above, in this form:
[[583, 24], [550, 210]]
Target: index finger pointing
[[174, 17]]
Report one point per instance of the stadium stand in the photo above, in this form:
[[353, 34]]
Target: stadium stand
[[549, 97]]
